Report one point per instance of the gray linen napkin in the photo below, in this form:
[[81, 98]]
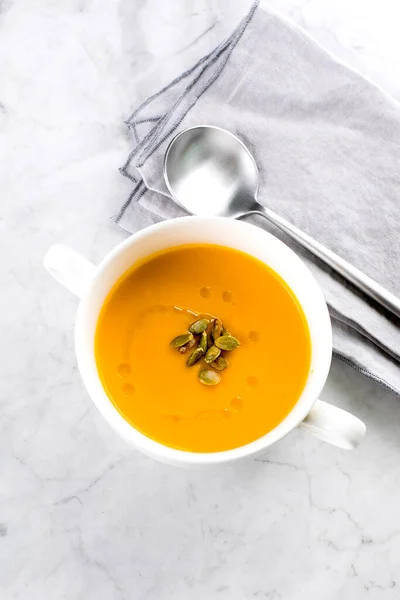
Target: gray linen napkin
[[327, 143]]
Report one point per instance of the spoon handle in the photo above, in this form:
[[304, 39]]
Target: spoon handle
[[364, 283]]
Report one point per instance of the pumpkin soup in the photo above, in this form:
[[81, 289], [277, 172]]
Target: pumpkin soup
[[166, 356]]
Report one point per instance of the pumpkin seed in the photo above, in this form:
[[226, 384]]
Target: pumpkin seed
[[181, 340], [199, 326], [220, 364], [216, 329], [227, 342], [195, 356], [208, 377], [187, 346], [212, 354], [225, 332], [203, 342]]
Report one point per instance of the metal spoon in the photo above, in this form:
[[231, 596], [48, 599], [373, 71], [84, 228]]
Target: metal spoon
[[209, 171]]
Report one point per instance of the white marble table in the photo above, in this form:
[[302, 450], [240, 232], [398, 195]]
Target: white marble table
[[82, 515]]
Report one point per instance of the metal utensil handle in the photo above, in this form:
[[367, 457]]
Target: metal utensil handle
[[364, 283]]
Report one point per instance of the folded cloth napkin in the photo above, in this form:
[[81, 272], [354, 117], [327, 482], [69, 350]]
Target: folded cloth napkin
[[327, 144]]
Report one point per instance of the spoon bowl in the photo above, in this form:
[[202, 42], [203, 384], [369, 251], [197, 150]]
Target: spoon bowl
[[210, 172]]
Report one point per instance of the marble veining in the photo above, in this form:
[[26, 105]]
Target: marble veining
[[82, 515]]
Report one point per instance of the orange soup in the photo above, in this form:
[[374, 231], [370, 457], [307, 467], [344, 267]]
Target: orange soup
[[149, 381]]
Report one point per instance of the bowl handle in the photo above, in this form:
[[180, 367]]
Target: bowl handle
[[70, 269], [334, 425]]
